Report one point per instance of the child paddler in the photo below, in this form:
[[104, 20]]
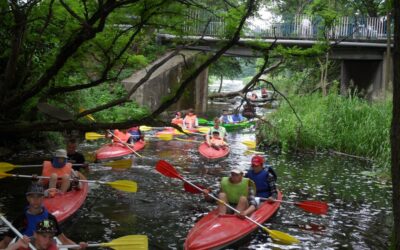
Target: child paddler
[[34, 213]]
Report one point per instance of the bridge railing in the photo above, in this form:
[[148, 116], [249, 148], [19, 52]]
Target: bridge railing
[[294, 27]]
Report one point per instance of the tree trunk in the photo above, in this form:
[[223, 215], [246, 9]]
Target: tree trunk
[[220, 83], [395, 129]]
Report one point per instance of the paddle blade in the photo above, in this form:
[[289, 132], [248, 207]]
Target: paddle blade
[[129, 242], [145, 128], [89, 116], [5, 166], [249, 144], [315, 207], [124, 185], [281, 237], [203, 129], [165, 137], [4, 175], [120, 164], [189, 188], [167, 169], [93, 136]]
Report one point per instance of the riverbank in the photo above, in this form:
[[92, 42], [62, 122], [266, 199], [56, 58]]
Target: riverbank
[[349, 125]]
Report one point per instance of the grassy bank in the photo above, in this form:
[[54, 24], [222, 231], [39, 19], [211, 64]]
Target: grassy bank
[[346, 124]]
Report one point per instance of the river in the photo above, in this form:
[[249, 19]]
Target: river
[[359, 216]]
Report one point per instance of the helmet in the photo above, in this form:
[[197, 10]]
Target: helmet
[[35, 188], [46, 226], [257, 160]]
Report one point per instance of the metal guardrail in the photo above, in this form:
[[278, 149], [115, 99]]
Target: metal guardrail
[[294, 27]]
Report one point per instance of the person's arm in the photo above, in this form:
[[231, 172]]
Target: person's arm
[[272, 187], [184, 123], [67, 241], [21, 243], [196, 122]]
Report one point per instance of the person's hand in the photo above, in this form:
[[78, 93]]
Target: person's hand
[[83, 245], [270, 200], [35, 177], [23, 242], [241, 215]]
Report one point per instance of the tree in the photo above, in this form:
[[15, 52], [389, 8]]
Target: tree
[[54, 49], [225, 66]]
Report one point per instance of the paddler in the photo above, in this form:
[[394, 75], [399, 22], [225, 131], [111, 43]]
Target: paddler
[[59, 167], [236, 191], [221, 130], [75, 157], [264, 178], [216, 141], [178, 119], [34, 213], [190, 120]]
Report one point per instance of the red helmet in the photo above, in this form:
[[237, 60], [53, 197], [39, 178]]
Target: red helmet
[[257, 160]]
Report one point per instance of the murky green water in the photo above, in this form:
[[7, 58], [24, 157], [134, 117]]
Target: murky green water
[[359, 216]]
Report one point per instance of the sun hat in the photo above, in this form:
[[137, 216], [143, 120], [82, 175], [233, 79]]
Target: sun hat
[[46, 226], [257, 160], [236, 171], [35, 188], [61, 153]]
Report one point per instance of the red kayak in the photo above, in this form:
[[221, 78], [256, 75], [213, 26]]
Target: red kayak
[[64, 205], [212, 153], [115, 150], [214, 231]]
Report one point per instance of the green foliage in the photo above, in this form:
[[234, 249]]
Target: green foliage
[[232, 19], [228, 67], [350, 125]]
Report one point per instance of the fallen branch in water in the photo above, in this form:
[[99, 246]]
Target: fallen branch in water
[[349, 155]]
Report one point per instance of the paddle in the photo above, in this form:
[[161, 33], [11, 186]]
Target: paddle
[[168, 170], [249, 144], [120, 164], [122, 185], [315, 207], [128, 242], [15, 230], [89, 116], [96, 136]]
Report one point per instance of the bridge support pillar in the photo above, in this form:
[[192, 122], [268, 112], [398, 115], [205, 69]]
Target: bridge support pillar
[[364, 75], [164, 81]]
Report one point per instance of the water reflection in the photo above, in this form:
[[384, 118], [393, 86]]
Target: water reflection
[[359, 215]]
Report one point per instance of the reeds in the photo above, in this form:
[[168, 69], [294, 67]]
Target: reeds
[[346, 124]]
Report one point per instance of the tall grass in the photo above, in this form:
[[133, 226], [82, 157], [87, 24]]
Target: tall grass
[[347, 124]]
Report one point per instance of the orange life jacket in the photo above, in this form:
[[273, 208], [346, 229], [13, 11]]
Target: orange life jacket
[[48, 170], [177, 121], [124, 137], [190, 121]]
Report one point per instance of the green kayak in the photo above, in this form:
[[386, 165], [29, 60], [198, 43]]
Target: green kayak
[[228, 126]]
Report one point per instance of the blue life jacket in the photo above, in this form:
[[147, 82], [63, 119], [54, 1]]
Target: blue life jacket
[[135, 133], [237, 118], [225, 119], [33, 220], [261, 181]]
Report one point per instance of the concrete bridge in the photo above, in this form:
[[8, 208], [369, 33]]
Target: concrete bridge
[[360, 44]]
